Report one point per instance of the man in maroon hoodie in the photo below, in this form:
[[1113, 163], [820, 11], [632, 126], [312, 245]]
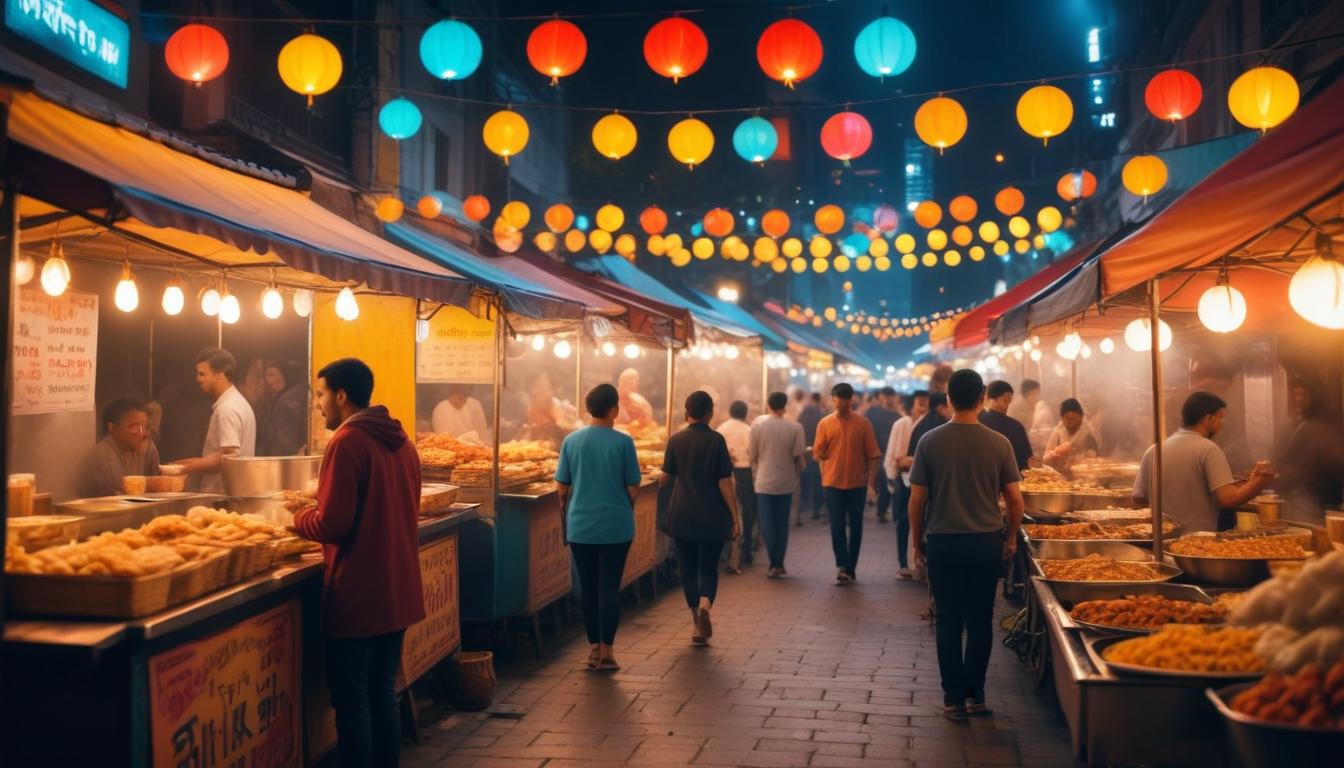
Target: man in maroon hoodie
[[368, 501]]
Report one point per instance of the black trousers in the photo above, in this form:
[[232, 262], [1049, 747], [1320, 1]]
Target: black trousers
[[698, 562], [964, 570], [600, 568], [845, 507], [746, 505], [884, 495], [901, 511], [362, 673]]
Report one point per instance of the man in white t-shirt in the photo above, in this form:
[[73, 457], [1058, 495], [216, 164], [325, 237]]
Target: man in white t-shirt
[[460, 414], [896, 464], [233, 426], [737, 434]]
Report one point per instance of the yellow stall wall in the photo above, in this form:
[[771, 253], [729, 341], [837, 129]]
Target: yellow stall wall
[[383, 336]]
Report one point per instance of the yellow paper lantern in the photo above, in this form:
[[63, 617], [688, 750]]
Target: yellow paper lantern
[[863, 263], [883, 263], [779, 265], [798, 265], [702, 248], [977, 253], [905, 243], [878, 248], [389, 209], [610, 217], [681, 257], [929, 259], [989, 231], [1049, 218], [600, 240], [545, 241], [740, 251], [614, 136], [841, 263], [505, 134], [728, 246], [1038, 242], [672, 241], [1022, 246], [1144, 175], [690, 141], [962, 235], [309, 65], [1001, 248], [819, 247], [792, 247], [656, 245], [909, 261], [820, 266], [952, 258], [940, 122], [1263, 97], [516, 213], [575, 240], [937, 239], [625, 245], [765, 249], [1044, 111], [1019, 227]]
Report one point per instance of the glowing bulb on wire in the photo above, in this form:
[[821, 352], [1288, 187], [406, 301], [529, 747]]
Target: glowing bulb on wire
[[562, 349], [608, 349], [631, 351], [347, 306], [210, 301], [55, 272], [229, 309], [1139, 337], [173, 298], [538, 343], [302, 302], [421, 330], [127, 296], [1107, 346], [25, 269], [272, 303]]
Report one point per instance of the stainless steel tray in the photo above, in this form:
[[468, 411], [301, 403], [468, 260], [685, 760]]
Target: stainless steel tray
[[1053, 502], [1072, 549], [1261, 743], [1225, 571], [1165, 573], [1070, 593], [1096, 648]]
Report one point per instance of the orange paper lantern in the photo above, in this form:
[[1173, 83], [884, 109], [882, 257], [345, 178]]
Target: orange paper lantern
[[718, 223], [675, 48], [197, 53], [963, 208], [829, 219], [559, 217], [476, 207], [1009, 201], [928, 214], [775, 223], [429, 206], [1076, 185], [557, 48], [789, 51], [653, 220]]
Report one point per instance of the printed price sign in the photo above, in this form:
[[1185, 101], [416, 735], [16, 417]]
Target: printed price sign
[[547, 559], [230, 699], [427, 642], [460, 349], [55, 351]]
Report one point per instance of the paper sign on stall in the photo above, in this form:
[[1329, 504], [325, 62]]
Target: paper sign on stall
[[460, 349], [55, 352], [232, 698], [427, 642]]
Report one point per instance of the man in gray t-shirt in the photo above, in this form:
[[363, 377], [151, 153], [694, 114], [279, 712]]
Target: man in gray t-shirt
[[961, 469]]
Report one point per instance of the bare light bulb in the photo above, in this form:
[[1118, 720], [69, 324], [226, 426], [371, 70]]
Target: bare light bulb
[[347, 307], [1222, 308], [272, 303], [127, 296], [210, 302], [421, 330], [631, 351], [731, 353], [1107, 346], [55, 275], [608, 349], [24, 270], [1036, 355], [538, 343], [173, 298], [229, 309], [562, 350], [302, 302]]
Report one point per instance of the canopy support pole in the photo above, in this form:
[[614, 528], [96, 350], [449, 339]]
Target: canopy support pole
[[9, 212], [1159, 409], [1073, 378]]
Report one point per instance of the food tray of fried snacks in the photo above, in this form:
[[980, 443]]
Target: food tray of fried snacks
[[1285, 719], [1095, 568], [1115, 515], [647, 435], [1191, 651], [1089, 531], [41, 531], [446, 452], [437, 498], [1142, 614], [1106, 472], [138, 571], [1232, 561]]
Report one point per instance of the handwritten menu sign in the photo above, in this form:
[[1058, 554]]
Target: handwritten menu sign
[[460, 349], [427, 642], [230, 699], [547, 559], [55, 351]]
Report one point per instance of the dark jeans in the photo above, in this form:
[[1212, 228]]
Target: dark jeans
[[884, 496], [600, 569], [846, 506], [901, 511], [746, 506], [361, 673], [774, 513], [699, 565], [964, 570], [810, 499]]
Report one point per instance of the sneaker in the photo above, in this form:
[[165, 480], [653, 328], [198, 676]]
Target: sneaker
[[905, 574], [954, 713], [976, 708], [842, 577], [703, 624], [853, 577], [773, 573]]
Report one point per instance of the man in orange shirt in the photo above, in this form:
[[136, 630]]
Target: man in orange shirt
[[847, 450]]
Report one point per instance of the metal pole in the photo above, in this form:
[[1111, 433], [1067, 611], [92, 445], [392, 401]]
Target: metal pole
[[1159, 429], [671, 382], [1073, 378], [9, 211], [765, 381], [499, 394], [578, 371]]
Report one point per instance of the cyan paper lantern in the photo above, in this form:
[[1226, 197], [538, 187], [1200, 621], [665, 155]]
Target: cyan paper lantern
[[885, 47], [755, 139], [450, 50], [399, 118]]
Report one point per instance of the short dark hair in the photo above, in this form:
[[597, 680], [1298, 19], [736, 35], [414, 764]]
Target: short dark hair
[[1029, 386], [1070, 405], [699, 405], [737, 410], [118, 409], [918, 393], [351, 375], [998, 388], [1198, 405], [777, 401], [965, 389], [816, 397], [843, 390], [936, 399], [220, 361], [601, 399], [888, 392]]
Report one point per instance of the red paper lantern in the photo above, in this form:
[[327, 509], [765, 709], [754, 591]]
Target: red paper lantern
[[789, 51], [557, 48], [675, 48], [476, 207], [1173, 95], [653, 220], [197, 53], [718, 223], [846, 135], [1076, 185]]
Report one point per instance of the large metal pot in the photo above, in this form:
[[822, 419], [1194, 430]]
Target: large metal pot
[[1057, 503], [1262, 743], [1224, 571], [1074, 549], [259, 476]]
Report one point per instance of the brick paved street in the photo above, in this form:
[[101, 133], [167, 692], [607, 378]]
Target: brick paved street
[[800, 673]]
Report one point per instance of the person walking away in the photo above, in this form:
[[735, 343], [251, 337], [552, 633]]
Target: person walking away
[[999, 399], [1197, 482], [233, 425], [366, 518], [702, 512], [883, 417], [778, 448], [598, 477], [809, 496], [737, 434], [1072, 438], [961, 470], [896, 467], [847, 451]]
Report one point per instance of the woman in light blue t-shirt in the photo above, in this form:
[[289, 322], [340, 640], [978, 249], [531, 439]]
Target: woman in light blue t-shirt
[[598, 475]]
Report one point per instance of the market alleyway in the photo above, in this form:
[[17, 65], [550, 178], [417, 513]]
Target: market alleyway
[[801, 673]]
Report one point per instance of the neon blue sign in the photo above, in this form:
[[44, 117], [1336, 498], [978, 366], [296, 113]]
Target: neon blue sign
[[79, 31]]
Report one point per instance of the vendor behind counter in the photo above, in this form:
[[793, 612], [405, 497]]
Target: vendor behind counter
[[125, 449]]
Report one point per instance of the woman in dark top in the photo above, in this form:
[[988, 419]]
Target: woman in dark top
[[283, 430], [702, 513]]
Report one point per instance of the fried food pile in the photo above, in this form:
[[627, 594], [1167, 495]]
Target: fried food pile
[[1191, 648], [1270, 547], [1311, 698], [1097, 568], [1078, 531], [1146, 612]]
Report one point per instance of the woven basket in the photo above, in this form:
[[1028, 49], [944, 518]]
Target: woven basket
[[473, 679]]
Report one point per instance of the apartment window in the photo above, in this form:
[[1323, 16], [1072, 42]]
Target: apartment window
[[1094, 45], [443, 151]]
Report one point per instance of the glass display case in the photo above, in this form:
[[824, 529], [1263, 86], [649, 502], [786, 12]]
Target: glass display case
[[640, 373], [728, 368]]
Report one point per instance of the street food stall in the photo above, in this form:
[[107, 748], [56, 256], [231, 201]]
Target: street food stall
[[131, 609]]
